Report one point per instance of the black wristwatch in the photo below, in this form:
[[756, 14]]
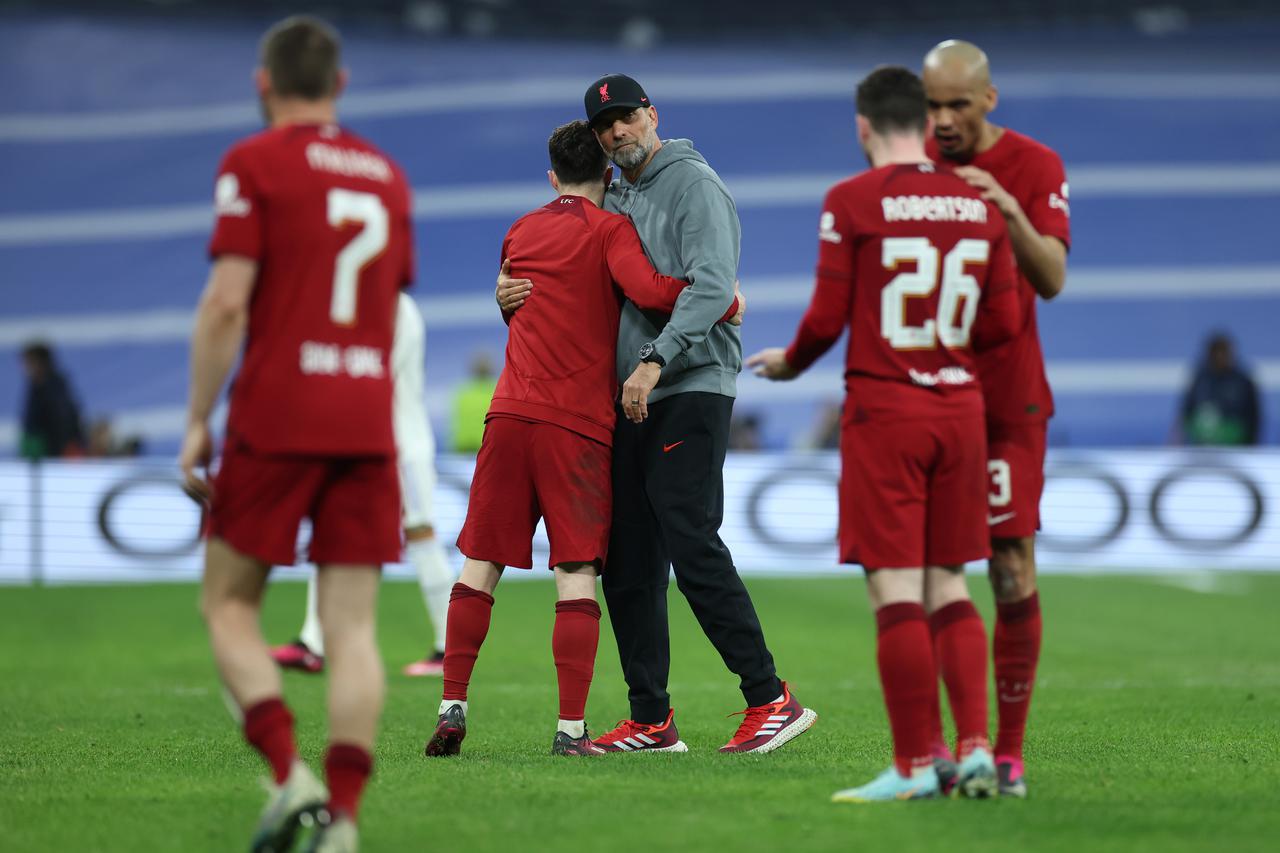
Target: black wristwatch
[[649, 355]]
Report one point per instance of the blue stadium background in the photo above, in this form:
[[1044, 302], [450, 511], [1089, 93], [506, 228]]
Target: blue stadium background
[[111, 129]]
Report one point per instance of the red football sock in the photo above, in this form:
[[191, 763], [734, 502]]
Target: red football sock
[[268, 726], [960, 647], [1016, 651], [939, 747], [467, 626], [910, 683], [346, 768], [573, 644]]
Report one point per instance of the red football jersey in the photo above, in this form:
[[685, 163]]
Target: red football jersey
[[560, 366], [919, 268], [326, 216], [1013, 378]]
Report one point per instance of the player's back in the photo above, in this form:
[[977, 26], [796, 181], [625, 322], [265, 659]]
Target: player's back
[[561, 343], [326, 216], [1013, 375], [932, 275]]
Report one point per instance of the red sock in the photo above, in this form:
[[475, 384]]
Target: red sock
[[573, 644], [1016, 651], [346, 768], [268, 726], [938, 741], [467, 626], [910, 683], [960, 647]]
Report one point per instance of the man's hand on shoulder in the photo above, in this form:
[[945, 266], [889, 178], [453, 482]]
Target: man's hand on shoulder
[[772, 364], [635, 391], [989, 188], [511, 292]]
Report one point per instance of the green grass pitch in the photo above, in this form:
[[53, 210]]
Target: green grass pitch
[[1155, 726]]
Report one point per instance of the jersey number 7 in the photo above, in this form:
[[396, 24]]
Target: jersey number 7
[[347, 206], [953, 322]]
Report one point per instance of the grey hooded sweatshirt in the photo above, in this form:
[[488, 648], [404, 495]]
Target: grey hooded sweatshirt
[[689, 226]]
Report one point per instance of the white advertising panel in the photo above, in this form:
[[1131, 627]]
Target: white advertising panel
[[1132, 510]]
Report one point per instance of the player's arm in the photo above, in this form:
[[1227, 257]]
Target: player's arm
[[999, 314], [830, 307], [639, 281], [708, 233], [221, 319], [510, 292], [1042, 257]]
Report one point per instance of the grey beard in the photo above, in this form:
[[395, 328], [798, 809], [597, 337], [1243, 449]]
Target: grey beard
[[632, 156]]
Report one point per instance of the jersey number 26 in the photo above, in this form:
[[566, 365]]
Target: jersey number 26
[[953, 322]]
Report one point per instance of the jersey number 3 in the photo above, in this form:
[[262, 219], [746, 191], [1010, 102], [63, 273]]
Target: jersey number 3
[[345, 207], [954, 320]]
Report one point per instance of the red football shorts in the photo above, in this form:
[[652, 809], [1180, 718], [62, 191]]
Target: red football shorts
[[259, 500], [913, 493], [1015, 464], [526, 471]]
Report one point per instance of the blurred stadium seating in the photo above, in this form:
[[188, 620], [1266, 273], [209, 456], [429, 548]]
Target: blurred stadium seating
[[1172, 144]]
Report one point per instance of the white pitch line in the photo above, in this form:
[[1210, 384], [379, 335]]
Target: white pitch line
[[834, 84], [750, 192]]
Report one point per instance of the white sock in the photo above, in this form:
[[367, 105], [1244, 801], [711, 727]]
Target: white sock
[[435, 579], [446, 704], [311, 633], [573, 728]]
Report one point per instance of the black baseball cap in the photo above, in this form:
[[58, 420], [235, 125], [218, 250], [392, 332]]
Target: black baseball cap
[[612, 91]]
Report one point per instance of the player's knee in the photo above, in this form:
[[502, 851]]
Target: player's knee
[[220, 613], [1012, 569]]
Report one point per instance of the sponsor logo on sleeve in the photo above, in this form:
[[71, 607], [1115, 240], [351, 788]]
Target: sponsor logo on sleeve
[[226, 197], [1059, 199], [827, 228]]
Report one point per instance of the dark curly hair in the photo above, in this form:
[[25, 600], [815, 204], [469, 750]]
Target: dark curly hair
[[576, 155], [892, 99]]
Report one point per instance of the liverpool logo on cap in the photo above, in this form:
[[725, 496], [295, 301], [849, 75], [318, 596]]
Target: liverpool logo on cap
[[604, 93]]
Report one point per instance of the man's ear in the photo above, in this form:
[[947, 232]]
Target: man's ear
[[555, 182], [340, 85], [262, 82], [864, 129], [993, 98]]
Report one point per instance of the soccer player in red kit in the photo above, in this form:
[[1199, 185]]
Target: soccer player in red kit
[[311, 246], [1026, 182], [918, 267], [547, 447]]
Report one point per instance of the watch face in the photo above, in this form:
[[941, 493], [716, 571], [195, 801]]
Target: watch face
[[646, 350]]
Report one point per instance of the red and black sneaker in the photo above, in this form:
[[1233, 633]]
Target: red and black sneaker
[[630, 736], [450, 730], [766, 727], [297, 655]]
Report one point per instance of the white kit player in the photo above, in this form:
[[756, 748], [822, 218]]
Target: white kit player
[[416, 453]]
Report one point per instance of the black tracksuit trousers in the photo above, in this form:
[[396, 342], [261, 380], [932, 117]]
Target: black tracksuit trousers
[[668, 502]]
